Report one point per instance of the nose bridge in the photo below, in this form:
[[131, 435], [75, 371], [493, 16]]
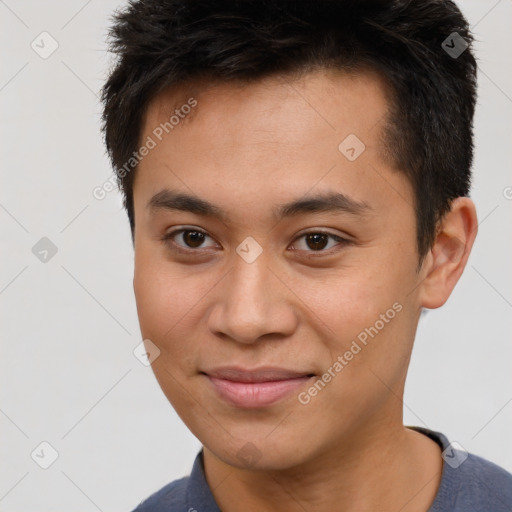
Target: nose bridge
[[253, 302], [250, 284]]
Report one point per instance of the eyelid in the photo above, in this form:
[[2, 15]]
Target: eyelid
[[324, 231]]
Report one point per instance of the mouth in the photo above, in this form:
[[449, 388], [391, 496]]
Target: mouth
[[256, 388]]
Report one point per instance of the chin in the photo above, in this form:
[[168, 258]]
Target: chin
[[260, 454]]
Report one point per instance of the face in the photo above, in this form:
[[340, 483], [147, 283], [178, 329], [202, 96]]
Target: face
[[296, 252]]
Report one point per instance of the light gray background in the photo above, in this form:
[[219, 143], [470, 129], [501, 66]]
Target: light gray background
[[69, 326]]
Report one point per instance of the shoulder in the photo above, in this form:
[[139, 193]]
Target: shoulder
[[470, 483], [170, 498], [477, 485]]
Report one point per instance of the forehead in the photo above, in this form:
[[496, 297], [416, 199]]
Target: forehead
[[281, 134], [361, 99]]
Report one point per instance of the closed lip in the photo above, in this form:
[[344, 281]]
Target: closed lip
[[262, 374]]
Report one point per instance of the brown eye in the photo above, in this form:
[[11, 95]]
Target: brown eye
[[317, 241], [187, 240], [193, 238]]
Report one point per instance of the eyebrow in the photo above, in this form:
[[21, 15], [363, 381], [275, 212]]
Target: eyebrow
[[327, 202]]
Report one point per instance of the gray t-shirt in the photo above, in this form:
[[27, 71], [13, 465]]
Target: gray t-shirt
[[468, 484]]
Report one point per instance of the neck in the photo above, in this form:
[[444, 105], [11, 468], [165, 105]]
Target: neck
[[385, 469]]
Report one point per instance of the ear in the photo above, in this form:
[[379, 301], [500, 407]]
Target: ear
[[447, 258]]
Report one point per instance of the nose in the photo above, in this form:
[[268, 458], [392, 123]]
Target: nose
[[253, 302]]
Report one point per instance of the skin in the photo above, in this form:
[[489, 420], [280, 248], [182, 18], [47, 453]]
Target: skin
[[247, 149]]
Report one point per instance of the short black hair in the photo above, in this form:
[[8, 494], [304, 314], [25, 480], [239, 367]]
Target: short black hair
[[163, 44]]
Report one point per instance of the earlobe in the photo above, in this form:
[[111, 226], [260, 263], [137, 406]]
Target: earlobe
[[449, 254]]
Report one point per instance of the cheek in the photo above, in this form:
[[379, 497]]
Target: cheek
[[165, 312], [170, 304], [367, 319], [156, 299], [347, 300], [161, 298]]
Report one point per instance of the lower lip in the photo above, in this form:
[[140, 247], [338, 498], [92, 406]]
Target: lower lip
[[252, 395]]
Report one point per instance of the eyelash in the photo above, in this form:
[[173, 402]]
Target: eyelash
[[167, 239]]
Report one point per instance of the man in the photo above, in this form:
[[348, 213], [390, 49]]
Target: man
[[296, 177]]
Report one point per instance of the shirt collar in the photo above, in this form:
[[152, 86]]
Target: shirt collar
[[199, 495]]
